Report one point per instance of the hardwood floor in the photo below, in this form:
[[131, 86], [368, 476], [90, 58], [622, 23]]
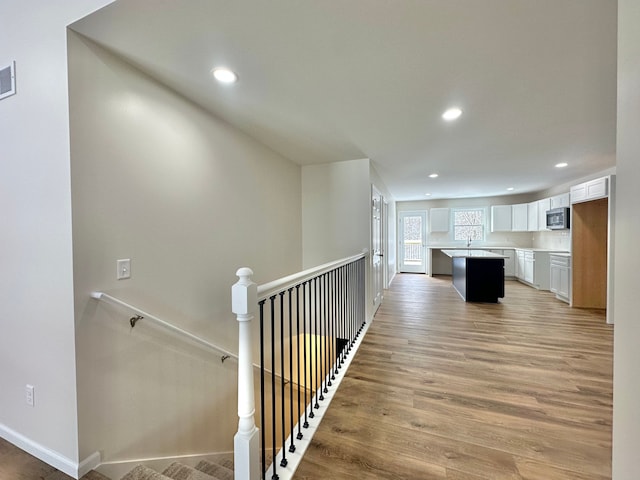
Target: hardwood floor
[[15, 464], [443, 389]]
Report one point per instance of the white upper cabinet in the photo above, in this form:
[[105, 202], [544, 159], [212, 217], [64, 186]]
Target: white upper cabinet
[[560, 201], [519, 217], [543, 206], [501, 218], [532, 216], [439, 220], [591, 190]]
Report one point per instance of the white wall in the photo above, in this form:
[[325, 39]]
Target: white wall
[[335, 211], [189, 200], [36, 285], [626, 375]]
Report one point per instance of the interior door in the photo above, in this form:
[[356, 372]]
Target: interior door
[[377, 254], [412, 235]]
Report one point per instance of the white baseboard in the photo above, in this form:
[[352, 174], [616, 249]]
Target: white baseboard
[[48, 456]]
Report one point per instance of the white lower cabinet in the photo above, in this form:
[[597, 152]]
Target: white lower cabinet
[[509, 262], [529, 267], [519, 264], [560, 274], [533, 268]]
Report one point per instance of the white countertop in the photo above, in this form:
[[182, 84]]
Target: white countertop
[[471, 253], [496, 247]]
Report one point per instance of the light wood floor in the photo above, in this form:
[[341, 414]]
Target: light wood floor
[[443, 389], [16, 464]]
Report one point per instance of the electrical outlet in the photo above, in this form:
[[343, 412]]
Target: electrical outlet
[[29, 392], [123, 269]]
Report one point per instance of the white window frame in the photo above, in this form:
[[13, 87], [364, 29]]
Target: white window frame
[[483, 225]]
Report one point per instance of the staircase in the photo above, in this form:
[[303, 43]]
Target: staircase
[[205, 470]]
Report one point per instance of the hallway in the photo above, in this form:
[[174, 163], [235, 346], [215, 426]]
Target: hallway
[[442, 389]]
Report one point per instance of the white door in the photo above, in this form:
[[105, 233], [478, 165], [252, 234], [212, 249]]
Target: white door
[[377, 254], [412, 235]]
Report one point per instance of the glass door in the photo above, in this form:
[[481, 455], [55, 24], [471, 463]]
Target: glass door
[[413, 242]]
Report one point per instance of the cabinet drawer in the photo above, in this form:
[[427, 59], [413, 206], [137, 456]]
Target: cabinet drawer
[[560, 261]]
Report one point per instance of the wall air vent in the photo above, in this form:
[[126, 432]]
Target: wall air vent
[[7, 80]]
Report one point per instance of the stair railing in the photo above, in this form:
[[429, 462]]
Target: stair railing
[[309, 324], [141, 314]]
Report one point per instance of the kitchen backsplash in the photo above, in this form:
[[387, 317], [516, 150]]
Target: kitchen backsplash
[[558, 240]]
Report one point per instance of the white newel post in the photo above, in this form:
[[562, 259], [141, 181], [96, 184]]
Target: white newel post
[[244, 299]]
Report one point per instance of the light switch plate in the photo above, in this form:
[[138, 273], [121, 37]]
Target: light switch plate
[[123, 269]]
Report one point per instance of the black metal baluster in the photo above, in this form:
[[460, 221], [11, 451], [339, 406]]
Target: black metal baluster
[[349, 312], [316, 337], [363, 300], [283, 417], [263, 421], [304, 347], [325, 329], [299, 436], [320, 334], [354, 296], [330, 328], [343, 324], [336, 296], [312, 289], [273, 387], [292, 447]]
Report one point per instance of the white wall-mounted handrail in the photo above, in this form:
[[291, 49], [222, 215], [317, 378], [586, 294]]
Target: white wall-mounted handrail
[[225, 353], [268, 289]]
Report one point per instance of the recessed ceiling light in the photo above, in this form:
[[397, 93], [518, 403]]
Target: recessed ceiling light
[[433, 175], [561, 164], [224, 75], [427, 194], [451, 114], [510, 189]]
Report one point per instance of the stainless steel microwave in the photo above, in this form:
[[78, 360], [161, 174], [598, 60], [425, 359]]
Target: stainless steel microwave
[[558, 218]]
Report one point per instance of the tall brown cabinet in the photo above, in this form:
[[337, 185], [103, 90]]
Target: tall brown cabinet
[[591, 248]]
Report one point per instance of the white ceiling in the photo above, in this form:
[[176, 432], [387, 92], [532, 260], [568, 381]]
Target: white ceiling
[[330, 80]]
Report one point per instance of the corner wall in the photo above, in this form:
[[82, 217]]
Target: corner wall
[[189, 200], [335, 211], [37, 339], [626, 375]]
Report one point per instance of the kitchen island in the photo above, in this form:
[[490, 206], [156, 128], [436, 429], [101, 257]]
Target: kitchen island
[[478, 275]]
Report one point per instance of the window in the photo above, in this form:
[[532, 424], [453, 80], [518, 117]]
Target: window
[[468, 224]]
